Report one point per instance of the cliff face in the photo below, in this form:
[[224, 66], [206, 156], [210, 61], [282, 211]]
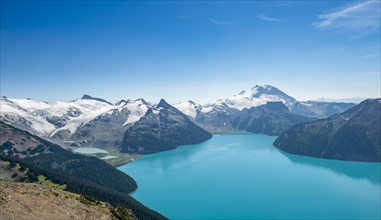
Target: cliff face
[[353, 135]]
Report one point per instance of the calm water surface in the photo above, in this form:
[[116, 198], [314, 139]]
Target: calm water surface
[[241, 175], [89, 150]]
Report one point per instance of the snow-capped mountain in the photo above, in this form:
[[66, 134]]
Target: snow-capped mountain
[[106, 129], [189, 108], [161, 130], [46, 119], [86, 121], [97, 122], [259, 95], [222, 115], [324, 109], [256, 96]]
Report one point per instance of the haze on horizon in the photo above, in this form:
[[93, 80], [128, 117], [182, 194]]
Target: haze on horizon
[[180, 51]]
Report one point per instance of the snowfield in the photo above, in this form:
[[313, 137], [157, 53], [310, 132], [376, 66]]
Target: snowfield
[[45, 118], [257, 96], [49, 118]]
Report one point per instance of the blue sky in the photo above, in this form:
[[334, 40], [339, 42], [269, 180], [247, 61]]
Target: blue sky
[[181, 50]]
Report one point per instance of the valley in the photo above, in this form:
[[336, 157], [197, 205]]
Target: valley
[[241, 175], [163, 146], [132, 126], [190, 110]]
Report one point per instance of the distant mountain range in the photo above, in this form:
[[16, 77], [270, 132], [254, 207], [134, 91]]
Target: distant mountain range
[[95, 122], [353, 135], [222, 115], [260, 95], [137, 126], [356, 100]]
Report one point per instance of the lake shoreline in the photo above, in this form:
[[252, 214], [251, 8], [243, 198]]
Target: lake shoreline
[[115, 159], [195, 181]]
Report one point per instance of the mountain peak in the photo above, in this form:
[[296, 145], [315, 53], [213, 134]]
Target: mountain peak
[[259, 95], [122, 101], [143, 101], [261, 87], [264, 87], [88, 97], [258, 91], [163, 104]]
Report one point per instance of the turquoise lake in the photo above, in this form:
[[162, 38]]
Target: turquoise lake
[[89, 150], [242, 176]]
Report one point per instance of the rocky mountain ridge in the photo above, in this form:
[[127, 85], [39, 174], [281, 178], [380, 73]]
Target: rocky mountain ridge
[[94, 122], [219, 116], [91, 121], [353, 135]]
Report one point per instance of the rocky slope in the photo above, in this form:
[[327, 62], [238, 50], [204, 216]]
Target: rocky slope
[[106, 131], [353, 135], [47, 119], [260, 95], [161, 129], [36, 201], [273, 118], [217, 118], [125, 126], [95, 122], [222, 115], [320, 109]]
